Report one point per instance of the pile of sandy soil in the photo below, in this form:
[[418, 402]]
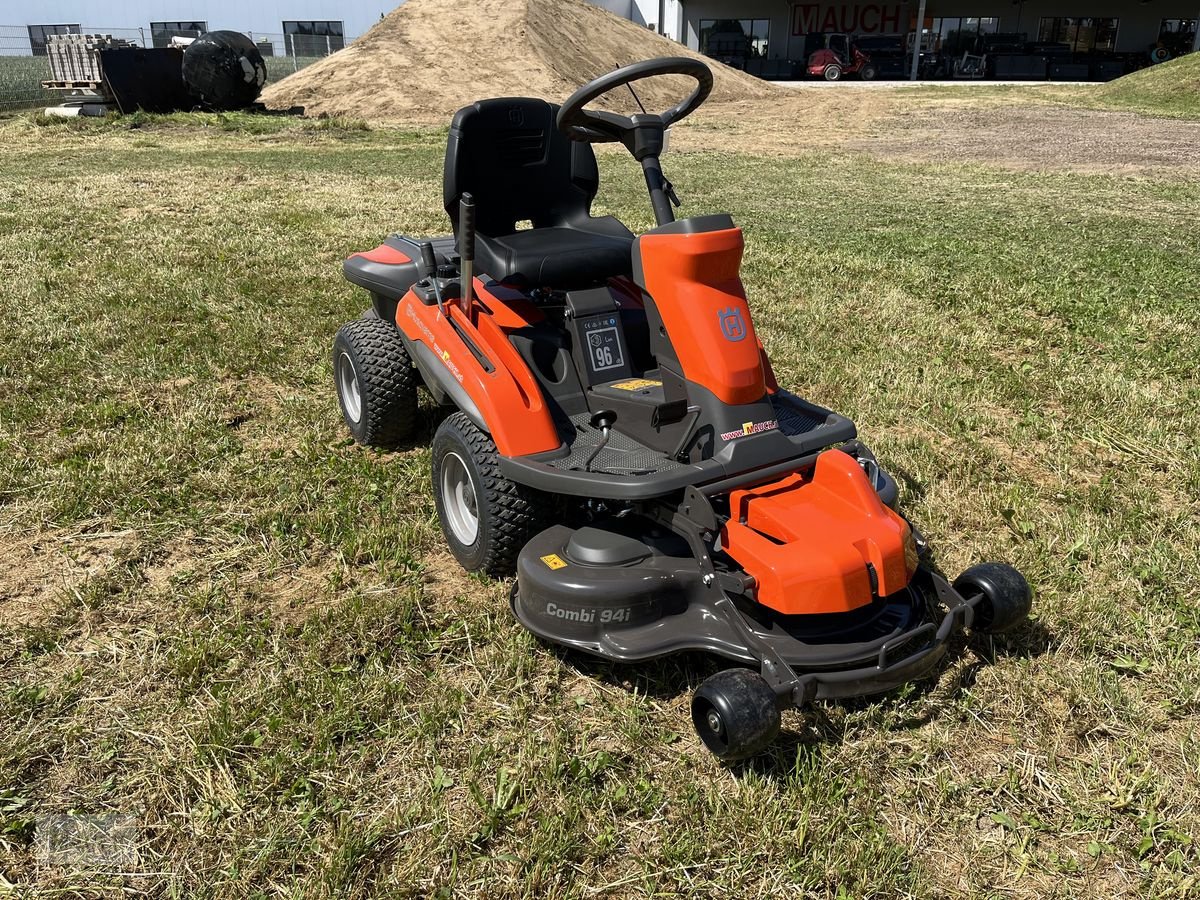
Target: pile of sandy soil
[[430, 57]]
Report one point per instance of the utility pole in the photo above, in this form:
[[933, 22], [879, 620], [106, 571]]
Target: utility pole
[[918, 41]]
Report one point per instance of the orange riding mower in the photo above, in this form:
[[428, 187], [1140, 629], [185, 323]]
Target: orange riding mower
[[619, 440]]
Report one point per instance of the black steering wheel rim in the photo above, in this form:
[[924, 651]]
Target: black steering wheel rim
[[598, 127]]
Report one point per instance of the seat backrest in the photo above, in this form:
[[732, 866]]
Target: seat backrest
[[518, 166]]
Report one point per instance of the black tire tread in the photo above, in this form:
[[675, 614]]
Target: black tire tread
[[516, 511], [387, 379]]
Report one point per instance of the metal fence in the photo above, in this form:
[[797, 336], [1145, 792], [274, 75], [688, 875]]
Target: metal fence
[[24, 64]]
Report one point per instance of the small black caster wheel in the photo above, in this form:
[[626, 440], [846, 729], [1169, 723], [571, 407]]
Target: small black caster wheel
[[735, 714], [1006, 596]]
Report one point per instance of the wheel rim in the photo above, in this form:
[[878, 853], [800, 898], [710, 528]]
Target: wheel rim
[[459, 500], [710, 726], [713, 720], [348, 387]]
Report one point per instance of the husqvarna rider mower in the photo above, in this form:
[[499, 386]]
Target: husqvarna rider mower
[[620, 440]]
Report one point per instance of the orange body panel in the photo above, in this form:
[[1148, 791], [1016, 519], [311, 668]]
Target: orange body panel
[[696, 287], [807, 541], [384, 254], [508, 397]]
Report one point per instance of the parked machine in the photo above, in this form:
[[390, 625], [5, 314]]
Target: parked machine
[[833, 56], [619, 440]]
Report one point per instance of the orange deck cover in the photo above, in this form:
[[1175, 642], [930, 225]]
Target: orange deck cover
[[807, 541]]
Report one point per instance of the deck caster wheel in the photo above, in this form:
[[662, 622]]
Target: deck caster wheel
[[1006, 596], [735, 714]]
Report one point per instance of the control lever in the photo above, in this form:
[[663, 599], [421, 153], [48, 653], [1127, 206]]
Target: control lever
[[669, 190], [466, 247], [430, 270], [602, 419]]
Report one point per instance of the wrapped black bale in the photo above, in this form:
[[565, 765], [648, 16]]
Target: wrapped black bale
[[224, 69]]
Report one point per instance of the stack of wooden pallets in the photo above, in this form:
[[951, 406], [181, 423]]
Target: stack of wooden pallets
[[75, 60]]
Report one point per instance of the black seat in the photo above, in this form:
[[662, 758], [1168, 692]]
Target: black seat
[[519, 167]]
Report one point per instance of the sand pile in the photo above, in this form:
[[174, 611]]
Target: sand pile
[[430, 57]]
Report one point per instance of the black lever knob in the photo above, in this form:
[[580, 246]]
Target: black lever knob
[[428, 260], [603, 419], [466, 227]]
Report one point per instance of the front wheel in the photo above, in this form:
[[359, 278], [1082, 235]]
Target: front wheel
[[376, 383], [485, 517], [1007, 598], [833, 72], [735, 714]]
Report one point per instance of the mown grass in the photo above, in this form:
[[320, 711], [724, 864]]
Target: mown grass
[[225, 619], [1171, 88]]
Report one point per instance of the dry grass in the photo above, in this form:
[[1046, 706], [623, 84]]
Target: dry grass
[[1026, 128], [220, 617]]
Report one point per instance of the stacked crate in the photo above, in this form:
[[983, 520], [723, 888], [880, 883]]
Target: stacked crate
[[75, 59]]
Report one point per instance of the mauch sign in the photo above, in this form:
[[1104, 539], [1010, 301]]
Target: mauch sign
[[869, 18]]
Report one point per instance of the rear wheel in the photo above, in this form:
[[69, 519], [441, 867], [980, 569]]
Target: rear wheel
[[376, 383], [1006, 596], [868, 73], [735, 714], [485, 517], [833, 72]]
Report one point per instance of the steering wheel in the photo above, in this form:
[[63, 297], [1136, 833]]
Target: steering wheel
[[600, 127]]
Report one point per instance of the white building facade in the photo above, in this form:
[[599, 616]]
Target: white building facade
[[775, 28], [315, 24]]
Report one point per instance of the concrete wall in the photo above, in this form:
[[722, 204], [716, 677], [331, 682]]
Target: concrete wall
[[665, 15], [1138, 27]]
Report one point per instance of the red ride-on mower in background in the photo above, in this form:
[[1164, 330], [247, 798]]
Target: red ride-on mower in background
[[620, 441], [832, 56]]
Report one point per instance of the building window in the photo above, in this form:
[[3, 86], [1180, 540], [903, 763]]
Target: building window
[[312, 38], [39, 33], [1079, 33], [735, 39], [957, 35], [162, 32], [1178, 36]]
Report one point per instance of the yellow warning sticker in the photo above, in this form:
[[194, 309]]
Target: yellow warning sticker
[[554, 561], [636, 384]]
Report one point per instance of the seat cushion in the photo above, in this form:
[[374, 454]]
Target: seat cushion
[[565, 258]]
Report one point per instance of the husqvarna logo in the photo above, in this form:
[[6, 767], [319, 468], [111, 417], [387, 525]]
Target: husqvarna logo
[[733, 324]]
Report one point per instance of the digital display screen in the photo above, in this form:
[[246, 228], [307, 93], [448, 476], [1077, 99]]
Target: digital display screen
[[603, 344]]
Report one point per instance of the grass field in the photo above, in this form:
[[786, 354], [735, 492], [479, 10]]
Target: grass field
[[223, 621], [1172, 88]]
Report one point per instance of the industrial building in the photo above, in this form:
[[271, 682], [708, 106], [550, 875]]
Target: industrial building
[[770, 38]]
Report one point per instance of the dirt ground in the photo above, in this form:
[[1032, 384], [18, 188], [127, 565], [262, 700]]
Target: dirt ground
[[1016, 130]]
